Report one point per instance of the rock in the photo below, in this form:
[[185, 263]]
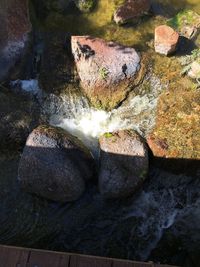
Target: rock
[[54, 165], [186, 22], [166, 40], [85, 5], [131, 11], [123, 163], [15, 26], [105, 70], [194, 71]]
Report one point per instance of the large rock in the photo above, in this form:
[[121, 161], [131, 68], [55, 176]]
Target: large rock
[[105, 69], [166, 40], [131, 11], [123, 163], [15, 25], [54, 165]]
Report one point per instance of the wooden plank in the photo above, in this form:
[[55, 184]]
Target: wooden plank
[[82, 261], [118, 263], [47, 259], [13, 257]]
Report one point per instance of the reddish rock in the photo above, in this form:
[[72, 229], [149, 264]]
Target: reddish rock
[[15, 25], [105, 69], [131, 11], [166, 40], [123, 163]]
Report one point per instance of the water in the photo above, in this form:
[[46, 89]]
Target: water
[[136, 228]]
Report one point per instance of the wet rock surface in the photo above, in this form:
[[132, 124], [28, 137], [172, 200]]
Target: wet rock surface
[[54, 165], [166, 40], [105, 69], [15, 26], [123, 163], [131, 11]]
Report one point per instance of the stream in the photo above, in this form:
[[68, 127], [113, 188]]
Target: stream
[[160, 222]]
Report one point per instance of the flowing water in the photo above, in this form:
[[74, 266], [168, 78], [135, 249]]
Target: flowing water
[[168, 205]]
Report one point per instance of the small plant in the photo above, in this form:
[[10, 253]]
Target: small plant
[[108, 135], [103, 72]]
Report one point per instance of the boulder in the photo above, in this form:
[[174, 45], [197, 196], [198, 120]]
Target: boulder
[[106, 70], [15, 26], [54, 165], [194, 71], [131, 11], [166, 40], [123, 163]]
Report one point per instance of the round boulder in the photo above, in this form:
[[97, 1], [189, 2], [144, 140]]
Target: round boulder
[[54, 165], [123, 163]]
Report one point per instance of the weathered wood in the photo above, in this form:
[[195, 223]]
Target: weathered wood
[[82, 261], [44, 258], [24, 257], [13, 257]]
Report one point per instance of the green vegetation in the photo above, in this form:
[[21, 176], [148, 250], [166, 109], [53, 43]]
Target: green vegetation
[[103, 72], [108, 135], [85, 5]]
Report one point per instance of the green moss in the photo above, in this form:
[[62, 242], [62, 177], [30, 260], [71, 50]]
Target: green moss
[[185, 18], [85, 5], [108, 135], [103, 73]]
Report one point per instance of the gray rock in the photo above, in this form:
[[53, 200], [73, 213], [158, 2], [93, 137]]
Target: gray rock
[[123, 163], [54, 165]]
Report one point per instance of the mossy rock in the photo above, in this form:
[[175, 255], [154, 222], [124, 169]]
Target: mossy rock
[[186, 23]]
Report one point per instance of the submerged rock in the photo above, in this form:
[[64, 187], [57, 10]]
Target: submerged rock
[[123, 163], [54, 165], [186, 22], [15, 26], [131, 11], [166, 40], [105, 69]]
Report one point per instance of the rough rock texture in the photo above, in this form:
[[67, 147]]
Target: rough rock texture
[[166, 40], [18, 116], [194, 71], [15, 25], [105, 69], [186, 22], [54, 165], [123, 163], [131, 11], [176, 135]]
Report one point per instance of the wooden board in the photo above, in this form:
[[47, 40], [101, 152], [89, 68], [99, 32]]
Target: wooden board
[[24, 257]]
